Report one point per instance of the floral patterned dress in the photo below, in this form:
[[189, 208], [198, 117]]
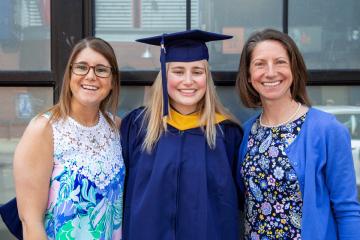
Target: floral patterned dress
[[273, 197], [86, 187]]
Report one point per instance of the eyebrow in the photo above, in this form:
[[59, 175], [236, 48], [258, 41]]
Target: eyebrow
[[197, 67], [256, 59], [99, 64], [182, 68], [176, 67], [262, 59]]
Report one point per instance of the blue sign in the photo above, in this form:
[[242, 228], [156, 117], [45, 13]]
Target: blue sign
[[24, 108]]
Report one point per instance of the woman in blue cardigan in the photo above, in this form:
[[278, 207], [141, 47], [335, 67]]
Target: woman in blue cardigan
[[295, 169]]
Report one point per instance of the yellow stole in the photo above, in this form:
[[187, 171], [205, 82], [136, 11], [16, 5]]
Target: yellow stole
[[185, 122]]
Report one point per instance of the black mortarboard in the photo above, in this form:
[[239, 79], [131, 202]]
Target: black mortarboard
[[185, 46]]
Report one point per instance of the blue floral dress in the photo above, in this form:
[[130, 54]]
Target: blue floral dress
[[86, 187], [273, 197]]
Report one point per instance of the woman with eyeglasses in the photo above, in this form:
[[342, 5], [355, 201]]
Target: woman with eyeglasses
[[68, 165]]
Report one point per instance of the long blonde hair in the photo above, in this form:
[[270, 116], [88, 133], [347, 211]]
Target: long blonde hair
[[61, 110], [156, 125]]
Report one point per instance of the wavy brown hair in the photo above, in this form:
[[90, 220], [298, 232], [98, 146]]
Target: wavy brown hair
[[61, 110], [249, 96]]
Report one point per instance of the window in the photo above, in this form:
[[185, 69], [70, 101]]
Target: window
[[327, 32], [24, 35], [238, 18], [18, 106], [121, 22]]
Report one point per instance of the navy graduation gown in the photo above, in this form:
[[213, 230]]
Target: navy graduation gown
[[183, 190], [10, 216]]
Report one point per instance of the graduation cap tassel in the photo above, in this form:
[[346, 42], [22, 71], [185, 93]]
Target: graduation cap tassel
[[163, 76]]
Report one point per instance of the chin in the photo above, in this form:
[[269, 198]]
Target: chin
[[88, 103]]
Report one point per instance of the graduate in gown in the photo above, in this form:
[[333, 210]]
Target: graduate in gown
[[180, 150]]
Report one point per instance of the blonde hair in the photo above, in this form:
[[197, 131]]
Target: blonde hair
[[61, 110], [156, 125]]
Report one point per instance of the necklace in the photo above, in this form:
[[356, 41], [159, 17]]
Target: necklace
[[282, 123]]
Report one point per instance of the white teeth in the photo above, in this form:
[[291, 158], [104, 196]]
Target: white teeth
[[271, 84], [89, 87], [187, 90]]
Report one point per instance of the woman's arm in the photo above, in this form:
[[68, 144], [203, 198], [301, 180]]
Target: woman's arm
[[33, 164], [340, 180]]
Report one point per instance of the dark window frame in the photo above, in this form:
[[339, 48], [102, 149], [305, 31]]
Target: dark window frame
[[317, 77], [73, 20], [64, 31]]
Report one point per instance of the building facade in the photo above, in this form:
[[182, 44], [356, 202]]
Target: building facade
[[36, 38]]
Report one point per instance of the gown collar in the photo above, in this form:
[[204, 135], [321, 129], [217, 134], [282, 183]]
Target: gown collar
[[185, 122]]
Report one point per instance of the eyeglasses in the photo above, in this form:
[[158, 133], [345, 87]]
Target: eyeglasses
[[82, 69]]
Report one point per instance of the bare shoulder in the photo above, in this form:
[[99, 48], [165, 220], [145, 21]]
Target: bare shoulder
[[39, 125], [35, 146], [37, 136], [117, 121]]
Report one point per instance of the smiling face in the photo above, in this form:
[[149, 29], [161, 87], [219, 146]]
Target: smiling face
[[270, 71], [186, 85], [89, 90]]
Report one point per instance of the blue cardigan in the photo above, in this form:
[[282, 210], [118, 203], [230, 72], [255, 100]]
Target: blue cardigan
[[321, 156]]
